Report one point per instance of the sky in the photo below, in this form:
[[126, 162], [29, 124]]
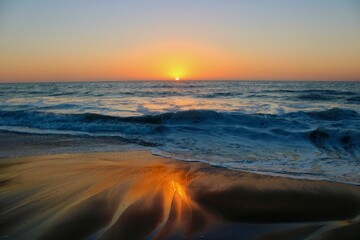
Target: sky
[[89, 40]]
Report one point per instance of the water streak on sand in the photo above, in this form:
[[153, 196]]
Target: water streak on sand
[[134, 195]]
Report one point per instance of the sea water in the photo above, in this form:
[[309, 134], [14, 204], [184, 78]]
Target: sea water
[[298, 129]]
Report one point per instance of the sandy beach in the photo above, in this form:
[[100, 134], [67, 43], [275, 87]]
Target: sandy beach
[[135, 195]]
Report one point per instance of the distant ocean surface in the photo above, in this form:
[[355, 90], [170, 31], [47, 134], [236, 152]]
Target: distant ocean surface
[[298, 129]]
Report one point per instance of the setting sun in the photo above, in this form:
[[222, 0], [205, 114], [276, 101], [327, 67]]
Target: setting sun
[[177, 79]]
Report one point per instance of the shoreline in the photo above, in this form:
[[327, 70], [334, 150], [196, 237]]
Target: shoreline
[[18, 144], [53, 196]]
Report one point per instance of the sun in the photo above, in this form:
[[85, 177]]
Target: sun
[[176, 74]]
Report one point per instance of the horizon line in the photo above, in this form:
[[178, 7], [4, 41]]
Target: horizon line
[[171, 80]]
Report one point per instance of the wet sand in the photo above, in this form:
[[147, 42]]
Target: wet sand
[[135, 195]]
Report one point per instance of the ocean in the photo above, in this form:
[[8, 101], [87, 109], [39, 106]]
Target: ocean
[[305, 130]]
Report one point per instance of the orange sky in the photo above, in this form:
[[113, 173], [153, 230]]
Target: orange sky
[[209, 40]]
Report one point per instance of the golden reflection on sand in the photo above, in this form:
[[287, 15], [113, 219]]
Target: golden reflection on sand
[[115, 194], [134, 195]]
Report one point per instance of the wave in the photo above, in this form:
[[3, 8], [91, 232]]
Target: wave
[[219, 94], [314, 96], [335, 141], [61, 106], [354, 99], [334, 114], [283, 141], [339, 127], [37, 117], [312, 91], [189, 116]]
